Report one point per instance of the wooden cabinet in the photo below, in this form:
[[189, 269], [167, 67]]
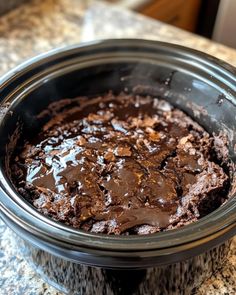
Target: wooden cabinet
[[180, 13]]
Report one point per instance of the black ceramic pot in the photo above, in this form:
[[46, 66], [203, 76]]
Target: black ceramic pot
[[78, 262]]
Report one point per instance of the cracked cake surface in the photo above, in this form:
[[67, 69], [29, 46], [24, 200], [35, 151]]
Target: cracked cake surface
[[121, 164]]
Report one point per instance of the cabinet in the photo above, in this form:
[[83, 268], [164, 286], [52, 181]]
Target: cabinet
[[180, 13]]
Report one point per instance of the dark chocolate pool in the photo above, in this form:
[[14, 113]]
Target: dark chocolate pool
[[122, 164]]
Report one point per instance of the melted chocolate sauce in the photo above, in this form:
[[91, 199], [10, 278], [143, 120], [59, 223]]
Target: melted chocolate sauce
[[120, 164]]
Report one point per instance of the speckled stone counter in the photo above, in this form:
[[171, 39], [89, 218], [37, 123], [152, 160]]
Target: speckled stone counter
[[39, 26]]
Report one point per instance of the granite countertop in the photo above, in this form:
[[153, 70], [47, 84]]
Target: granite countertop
[[39, 26]]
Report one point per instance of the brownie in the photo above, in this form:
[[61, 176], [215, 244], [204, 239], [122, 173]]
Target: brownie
[[121, 164]]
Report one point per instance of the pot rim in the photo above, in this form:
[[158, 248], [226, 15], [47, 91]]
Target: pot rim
[[218, 225]]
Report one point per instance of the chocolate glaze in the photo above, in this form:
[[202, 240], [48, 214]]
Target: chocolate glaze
[[121, 164]]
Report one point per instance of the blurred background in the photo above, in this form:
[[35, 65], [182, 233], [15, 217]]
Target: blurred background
[[214, 19]]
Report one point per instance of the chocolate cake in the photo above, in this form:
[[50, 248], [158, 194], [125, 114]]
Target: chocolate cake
[[121, 164]]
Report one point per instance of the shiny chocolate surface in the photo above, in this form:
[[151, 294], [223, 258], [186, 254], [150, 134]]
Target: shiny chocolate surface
[[121, 164]]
